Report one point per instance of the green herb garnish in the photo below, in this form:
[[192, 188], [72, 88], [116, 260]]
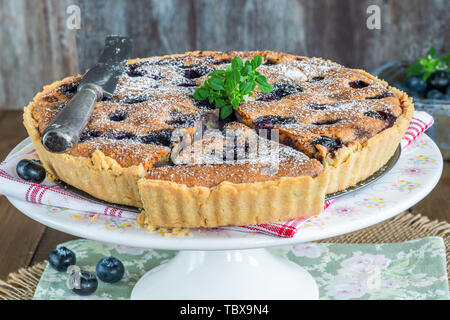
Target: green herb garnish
[[426, 66], [228, 88]]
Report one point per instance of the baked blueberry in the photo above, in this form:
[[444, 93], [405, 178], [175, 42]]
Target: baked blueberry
[[61, 258], [136, 99], [315, 79], [328, 142], [204, 104], [265, 121], [197, 72], [221, 61], [358, 84], [120, 135], [184, 121], [89, 134], [162, 138], [280, 90], [317, 106], [382, 115], [110, 270], [88, 284], [187, 84], [381, 95], [118, 115], [439, 80], [30, 170], [69, 88], [135, 70], [326, 122]]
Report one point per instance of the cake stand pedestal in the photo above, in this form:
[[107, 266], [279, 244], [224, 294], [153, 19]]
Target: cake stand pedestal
[[236, 274], [218, 263]]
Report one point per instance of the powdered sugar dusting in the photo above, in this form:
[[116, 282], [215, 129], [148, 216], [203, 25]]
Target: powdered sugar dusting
[[312, 97]]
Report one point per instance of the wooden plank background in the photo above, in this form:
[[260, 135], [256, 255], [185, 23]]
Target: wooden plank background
[[37, 48]]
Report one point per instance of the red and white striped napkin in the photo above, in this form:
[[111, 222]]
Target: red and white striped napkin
[[51, 194]]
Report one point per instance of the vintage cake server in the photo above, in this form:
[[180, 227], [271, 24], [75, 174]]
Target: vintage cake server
[[98, 83]]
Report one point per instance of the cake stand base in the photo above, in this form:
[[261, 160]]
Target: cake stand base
[[234, 274]]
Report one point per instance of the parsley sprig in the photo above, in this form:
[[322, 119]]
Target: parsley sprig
[[425, 66], [228, 88]]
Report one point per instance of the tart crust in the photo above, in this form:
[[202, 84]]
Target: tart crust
[[171, 204]]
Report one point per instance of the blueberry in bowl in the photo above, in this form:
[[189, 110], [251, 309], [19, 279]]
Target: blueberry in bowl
[[110, 270], [427, 81], [416, 85], [61, 258]]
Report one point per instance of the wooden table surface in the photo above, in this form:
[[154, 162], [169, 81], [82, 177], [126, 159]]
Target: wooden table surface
[[25, 242]]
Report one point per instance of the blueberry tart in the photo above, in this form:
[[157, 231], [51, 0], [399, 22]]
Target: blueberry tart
[[335, 126]]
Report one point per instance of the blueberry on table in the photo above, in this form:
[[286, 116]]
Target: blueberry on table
[[61, 258], [434, 94], [30, 170], [88, 284], [110, 270], [439, 80], [416, 84]]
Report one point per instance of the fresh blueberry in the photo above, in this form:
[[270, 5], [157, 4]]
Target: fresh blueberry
[[439, 80], [61, 258], [110, 270], [88, 284], [30, 170], [416, 84], [400, 86], [434, 94], [446, 97]]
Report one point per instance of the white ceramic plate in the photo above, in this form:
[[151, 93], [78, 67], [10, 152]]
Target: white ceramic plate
[[410, 180]]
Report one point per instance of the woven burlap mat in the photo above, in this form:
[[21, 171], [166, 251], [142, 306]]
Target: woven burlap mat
[[21, 285]]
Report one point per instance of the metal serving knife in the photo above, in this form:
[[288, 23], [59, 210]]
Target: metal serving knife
[[98, 83]]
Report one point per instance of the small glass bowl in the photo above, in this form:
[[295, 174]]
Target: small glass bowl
[[395, 71]]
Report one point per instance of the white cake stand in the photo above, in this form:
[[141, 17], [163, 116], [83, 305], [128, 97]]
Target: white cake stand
[[223, 264]]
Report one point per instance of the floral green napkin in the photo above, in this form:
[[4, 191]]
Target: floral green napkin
[[407, 270]]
